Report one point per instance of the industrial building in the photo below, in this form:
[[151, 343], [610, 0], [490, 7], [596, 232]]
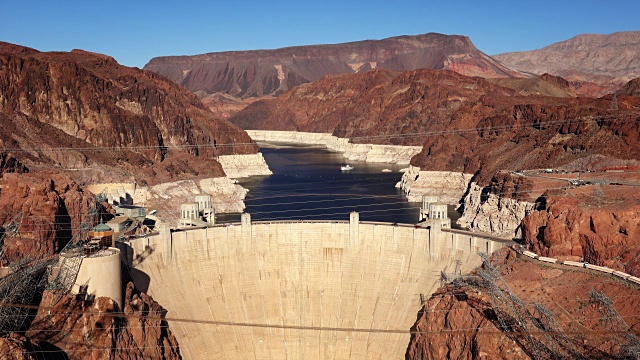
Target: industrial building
[[132, 211], [122, 225], [99, 271], [197, 213], [434, 211]]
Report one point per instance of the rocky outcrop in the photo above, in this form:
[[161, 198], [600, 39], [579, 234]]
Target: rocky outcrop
[[237, 166], [632, 88], [494, 214], [393, 154], [100, 330], [448, 186], [246, 74], [545, 84], [49, 208], [18, 347], [457, 325], [600, 228], [9, 164], [228, 196], [462, 321], [606, 60], [71, 109], [499, 207]]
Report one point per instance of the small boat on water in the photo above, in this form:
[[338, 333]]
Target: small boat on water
[[346, 167]]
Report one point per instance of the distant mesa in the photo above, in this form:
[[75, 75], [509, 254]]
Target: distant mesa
[[259, 73], [594, 64]]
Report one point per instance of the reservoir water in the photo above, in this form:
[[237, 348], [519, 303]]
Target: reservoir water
[[307, 184]]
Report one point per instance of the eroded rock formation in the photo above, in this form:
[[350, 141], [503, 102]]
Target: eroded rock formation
[[17, 347], [448, 186], [499, 207], [87, 103], [461, 321], [49, 207], [99, 330], [456, 324], [600, 224]]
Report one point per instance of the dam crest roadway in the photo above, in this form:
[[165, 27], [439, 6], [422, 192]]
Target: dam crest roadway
[[304, 284]]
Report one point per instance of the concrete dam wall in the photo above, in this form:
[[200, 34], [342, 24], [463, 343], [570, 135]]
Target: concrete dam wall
[[298, 290]]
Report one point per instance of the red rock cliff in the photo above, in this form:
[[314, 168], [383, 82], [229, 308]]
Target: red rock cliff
[[100, 330], [600, 224], [88, 101], [456, 325], [52, 206], [461, 321]]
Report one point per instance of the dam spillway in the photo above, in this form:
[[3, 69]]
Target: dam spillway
[[297, 290]]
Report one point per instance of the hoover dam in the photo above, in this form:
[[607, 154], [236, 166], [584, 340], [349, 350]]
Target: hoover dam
[[297, 290]]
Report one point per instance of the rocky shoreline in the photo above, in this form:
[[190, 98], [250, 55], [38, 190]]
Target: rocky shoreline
[[238, 166], [487, 213], [448, 186], [393, 154], [228, 195]]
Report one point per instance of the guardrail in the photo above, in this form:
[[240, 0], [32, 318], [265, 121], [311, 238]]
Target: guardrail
[[579, 264], [479, 235]]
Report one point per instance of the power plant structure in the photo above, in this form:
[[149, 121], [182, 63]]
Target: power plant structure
[[299, 289], [197, 213], [433, 211], [99, 266]]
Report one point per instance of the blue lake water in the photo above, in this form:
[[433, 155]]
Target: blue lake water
[[307, 184]]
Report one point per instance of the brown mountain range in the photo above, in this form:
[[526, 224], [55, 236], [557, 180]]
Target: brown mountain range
[[87, 103], [259, 73], [594, 64], [463, 123]]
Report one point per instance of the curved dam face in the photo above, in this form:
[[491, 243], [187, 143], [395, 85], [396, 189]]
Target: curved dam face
[[298, 290]]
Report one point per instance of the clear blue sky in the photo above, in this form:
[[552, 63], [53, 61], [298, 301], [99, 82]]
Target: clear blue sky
[[135, 31]]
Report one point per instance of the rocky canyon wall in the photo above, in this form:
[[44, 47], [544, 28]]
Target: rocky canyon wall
[[49, 209], [438, 329], [100, 330], [237, 166], [493, 213]]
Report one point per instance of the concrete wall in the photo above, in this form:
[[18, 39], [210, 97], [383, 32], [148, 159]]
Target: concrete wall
[[300, 274], [102, 274]]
